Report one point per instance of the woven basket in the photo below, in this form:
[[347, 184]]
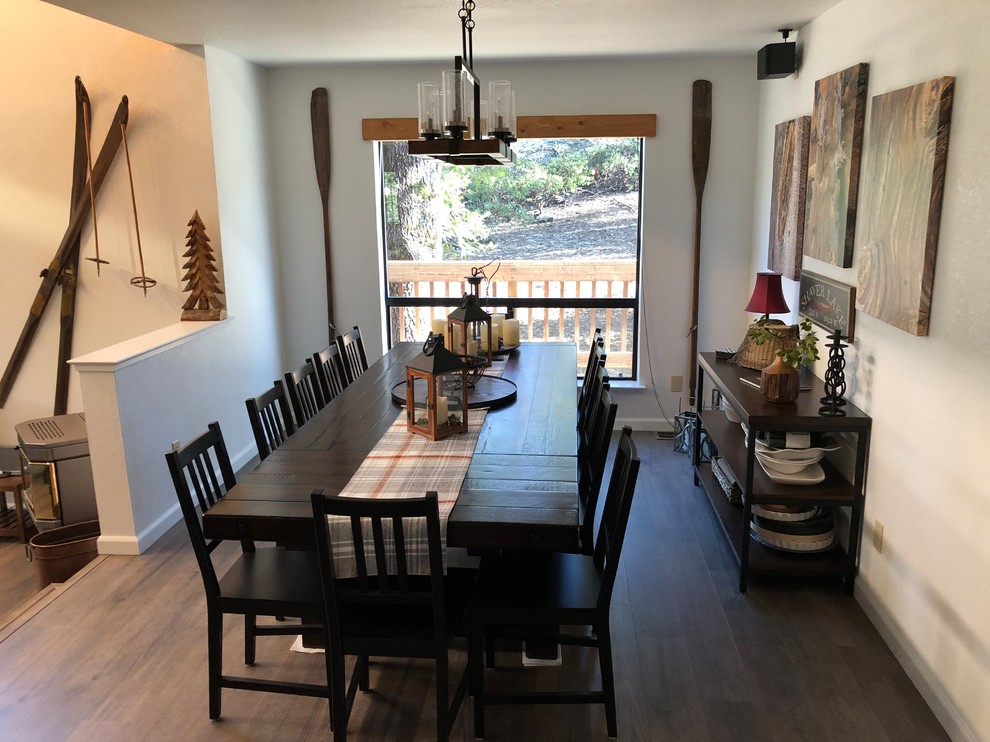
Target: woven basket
[[751, 355]]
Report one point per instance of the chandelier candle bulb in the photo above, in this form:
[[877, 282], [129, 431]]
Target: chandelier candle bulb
[[454, 86], [429, 110], [512, 115], [510, 332], [499, 98]]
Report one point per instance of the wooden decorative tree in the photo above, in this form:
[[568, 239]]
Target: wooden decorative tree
[[201, 280]]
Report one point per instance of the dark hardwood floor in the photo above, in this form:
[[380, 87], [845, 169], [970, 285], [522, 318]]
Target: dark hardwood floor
[[121, 654]]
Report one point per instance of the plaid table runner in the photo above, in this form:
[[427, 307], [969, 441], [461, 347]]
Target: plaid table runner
[[406, 465]]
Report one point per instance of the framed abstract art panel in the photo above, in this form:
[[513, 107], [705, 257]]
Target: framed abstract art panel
[[834, 154], [790, 177], [903, 183]]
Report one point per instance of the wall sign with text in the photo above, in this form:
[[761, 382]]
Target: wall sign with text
[[828, 303]]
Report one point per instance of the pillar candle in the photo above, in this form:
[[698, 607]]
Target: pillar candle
[[497, 320], [455, 344], [442, 410], [439, 327], [510, 332], [472, 347]]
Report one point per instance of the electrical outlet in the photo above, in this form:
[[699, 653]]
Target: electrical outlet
[[878, 535], [676, 383]]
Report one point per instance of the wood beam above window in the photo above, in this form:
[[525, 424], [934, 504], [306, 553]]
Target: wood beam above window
[[531, 127]]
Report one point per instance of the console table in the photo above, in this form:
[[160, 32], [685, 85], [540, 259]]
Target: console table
[[738, 449]]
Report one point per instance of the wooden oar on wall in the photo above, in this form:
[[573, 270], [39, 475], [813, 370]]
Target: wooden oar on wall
[[319, 111], [701, 143]]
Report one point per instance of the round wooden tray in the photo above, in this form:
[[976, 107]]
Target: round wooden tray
[[504, 350], [484, 393]]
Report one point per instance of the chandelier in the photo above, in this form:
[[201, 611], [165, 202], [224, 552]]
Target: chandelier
[[455, 132]]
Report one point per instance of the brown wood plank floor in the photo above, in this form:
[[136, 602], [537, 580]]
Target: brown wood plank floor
[[121, 655]]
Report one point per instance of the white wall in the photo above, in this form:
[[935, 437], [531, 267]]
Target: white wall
[[171, 149], [192, 148], [649, 86], [141, 398], [928, 589]]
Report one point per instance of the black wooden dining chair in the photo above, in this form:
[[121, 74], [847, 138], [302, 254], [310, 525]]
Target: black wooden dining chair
[[303, 388], [591, 470], [599, 378], [255, 585], [595, 356], [330, 370], [352, 350], [387, 611], [271, 418], [514, 599]]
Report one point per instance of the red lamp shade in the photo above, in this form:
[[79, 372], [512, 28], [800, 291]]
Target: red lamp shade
[[768, 297]]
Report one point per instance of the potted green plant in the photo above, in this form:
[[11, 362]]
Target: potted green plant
[[779, 380]]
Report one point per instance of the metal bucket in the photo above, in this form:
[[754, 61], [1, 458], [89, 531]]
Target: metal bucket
[[61, 552]]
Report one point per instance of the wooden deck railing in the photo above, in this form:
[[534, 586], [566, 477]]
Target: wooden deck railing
[[520, 279]]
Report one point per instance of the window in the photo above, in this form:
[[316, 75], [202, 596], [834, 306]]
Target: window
[[557, 236]]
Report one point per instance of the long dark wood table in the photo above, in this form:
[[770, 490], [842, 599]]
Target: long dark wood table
[[520, 491]]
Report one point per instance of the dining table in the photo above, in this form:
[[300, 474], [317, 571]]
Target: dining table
[[519, 491]]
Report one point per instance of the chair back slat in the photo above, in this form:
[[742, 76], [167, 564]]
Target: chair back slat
[[615, 513], [402, 564], [330, 370], [381, 555], [352, 350], [303, 387], [360, 558], [271, 418]]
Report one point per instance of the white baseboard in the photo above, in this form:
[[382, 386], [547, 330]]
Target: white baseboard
[[239, 460], [135, 545], [945, 710]]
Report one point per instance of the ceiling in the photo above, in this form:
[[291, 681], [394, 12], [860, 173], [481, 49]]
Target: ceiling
[[274, 32]]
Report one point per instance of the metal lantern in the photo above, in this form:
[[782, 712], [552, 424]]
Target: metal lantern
[[470, 328], [436, 392]]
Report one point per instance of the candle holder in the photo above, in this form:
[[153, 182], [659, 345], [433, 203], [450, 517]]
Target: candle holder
[[436, 392], [835, 378]]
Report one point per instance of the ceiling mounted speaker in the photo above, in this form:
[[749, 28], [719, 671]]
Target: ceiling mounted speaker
[[777, 60]]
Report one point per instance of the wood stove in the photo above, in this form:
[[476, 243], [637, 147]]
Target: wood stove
[[55, 466]]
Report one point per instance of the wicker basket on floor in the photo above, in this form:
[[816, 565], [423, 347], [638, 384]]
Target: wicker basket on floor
[[751, 355]]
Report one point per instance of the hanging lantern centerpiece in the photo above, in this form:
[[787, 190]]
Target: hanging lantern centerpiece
[[436, 391], [470, 327]]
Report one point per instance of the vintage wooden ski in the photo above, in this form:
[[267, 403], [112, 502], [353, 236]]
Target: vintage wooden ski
[[70, 269], [50, 276]]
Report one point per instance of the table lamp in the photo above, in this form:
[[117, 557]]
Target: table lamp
[[767, 299], [768, 296]]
